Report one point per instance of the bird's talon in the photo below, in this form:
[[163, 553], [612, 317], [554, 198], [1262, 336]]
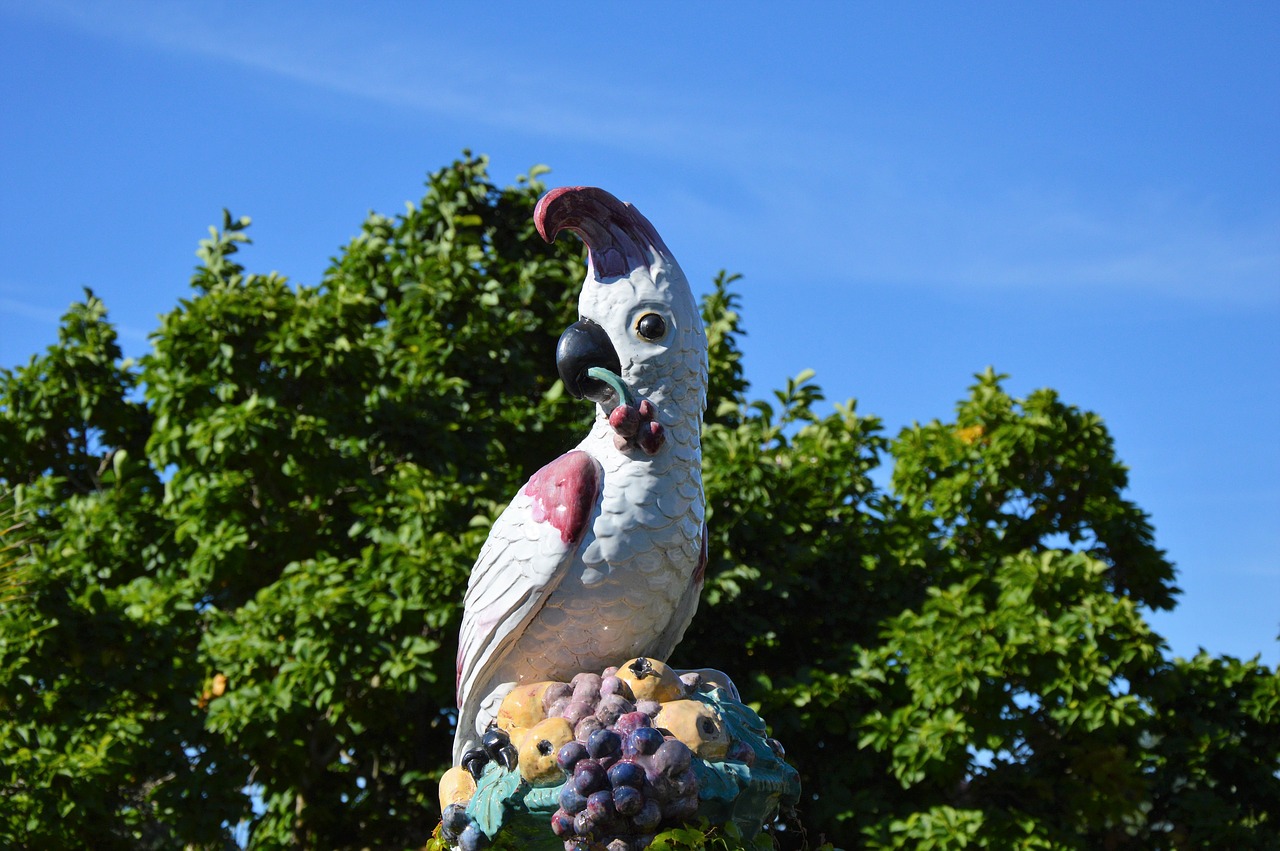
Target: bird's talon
[[474, 762], [496, 747]]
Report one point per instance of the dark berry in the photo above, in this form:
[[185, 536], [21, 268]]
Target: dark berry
[[645, 740], [584, 824], [582, 732], [569, 754], [628, 800], [576, 710], [625, 420], [472, 839], [612, 707], [604, 743], [600, 805], [455, 818], [626, 773], [586, 687], [562, 824], [673, 757], [555, 692], [629, 722], [648, 818], [613, 684], [571, 800], [589, 776]]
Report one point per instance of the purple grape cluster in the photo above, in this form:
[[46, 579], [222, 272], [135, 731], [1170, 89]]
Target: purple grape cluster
[[626, 779]]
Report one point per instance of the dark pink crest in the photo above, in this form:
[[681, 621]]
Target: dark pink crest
[[618, 238]]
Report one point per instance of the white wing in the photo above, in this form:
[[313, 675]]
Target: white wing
[[523, 561]]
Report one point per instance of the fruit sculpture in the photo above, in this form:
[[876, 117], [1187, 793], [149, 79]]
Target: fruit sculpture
[[600, 558], [608, 759]]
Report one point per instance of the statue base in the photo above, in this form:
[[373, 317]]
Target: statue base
[[609, 760]]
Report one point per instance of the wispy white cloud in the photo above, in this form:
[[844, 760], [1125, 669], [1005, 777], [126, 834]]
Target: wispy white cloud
[[31, 312], [1170, 255], [347, 54], [848, 207], [918, 236], [43, 314]]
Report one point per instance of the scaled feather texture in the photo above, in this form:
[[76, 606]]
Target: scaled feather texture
[[599, 558]]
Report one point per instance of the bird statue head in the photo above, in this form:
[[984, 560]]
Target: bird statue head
[[638, 350]]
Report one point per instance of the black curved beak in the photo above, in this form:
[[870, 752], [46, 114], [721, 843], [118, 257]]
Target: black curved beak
[[585, 344]]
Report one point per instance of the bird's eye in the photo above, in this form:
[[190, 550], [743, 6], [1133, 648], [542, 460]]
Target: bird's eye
[[651, 327]]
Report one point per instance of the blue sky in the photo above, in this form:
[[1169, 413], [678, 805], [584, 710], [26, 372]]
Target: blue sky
[[1085, 196]]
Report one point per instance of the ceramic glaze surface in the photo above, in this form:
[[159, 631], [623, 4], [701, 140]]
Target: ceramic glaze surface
[[599, 556]]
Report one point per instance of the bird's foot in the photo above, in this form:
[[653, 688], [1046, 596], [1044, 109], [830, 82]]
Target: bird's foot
[[495, 746], [637, 426]]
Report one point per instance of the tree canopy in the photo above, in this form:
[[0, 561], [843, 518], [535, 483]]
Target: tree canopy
[[234, 572]]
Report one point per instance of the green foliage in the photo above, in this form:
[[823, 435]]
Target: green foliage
[[705, 837], [699, 837], [14, 569], [230, 574], [1211, 749]]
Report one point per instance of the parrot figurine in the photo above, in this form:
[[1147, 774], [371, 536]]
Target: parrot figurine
[[600, 556]]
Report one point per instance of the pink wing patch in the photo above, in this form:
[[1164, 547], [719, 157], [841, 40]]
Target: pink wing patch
[[564, 492]]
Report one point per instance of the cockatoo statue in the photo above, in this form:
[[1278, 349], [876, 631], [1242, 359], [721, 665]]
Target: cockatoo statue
[[600, 556]]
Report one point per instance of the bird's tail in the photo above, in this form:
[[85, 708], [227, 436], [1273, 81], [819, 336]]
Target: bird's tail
[[474, 718]]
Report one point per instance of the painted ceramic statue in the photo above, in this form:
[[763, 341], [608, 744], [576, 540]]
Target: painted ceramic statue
[[566, 710]]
